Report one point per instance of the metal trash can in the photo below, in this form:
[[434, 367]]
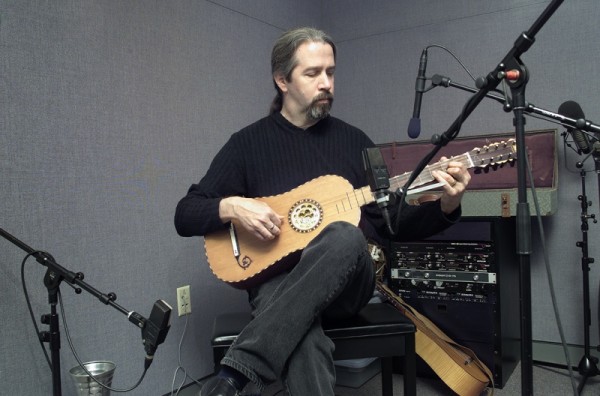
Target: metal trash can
[[103, 371]]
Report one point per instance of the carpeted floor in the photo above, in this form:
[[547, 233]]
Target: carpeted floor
[[546, 381]]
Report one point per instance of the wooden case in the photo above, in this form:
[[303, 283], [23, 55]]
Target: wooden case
[[492, 191]]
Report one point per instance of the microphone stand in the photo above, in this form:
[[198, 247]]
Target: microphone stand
[[530, 109], [596, 156], [55, 274], [587, 366], [517, 85]]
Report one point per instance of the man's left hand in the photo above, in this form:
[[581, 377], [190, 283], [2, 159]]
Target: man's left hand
[[455, 179]]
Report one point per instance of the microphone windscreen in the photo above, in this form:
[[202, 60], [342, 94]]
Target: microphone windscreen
[[571, 109], [414, 128]]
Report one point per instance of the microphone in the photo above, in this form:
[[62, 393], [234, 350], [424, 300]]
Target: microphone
[[155, 329], [379, 181], [572, 109], [414, 126]]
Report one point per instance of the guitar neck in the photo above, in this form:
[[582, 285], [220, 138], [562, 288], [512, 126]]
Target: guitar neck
[[365, 195], [426, 175], [492, 154]]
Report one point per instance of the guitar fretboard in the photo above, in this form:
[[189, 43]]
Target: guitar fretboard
[[426, 175], [497, 153]]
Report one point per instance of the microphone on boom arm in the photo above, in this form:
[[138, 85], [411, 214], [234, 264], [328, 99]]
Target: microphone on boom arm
[[572, 109], [414, 126]]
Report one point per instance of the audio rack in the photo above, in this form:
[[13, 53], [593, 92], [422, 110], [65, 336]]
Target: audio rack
[[463, 280]]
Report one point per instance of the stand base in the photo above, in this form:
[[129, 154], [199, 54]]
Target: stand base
[[587, 368]]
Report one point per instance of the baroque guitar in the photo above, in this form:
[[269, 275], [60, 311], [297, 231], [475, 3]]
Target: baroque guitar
[[239, 259]]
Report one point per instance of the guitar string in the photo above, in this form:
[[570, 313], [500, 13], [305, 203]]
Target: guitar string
[[505, 148], [395, 182]]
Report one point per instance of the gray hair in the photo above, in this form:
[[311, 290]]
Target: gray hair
[[283, 56]]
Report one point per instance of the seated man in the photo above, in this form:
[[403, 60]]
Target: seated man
[[333, 276]]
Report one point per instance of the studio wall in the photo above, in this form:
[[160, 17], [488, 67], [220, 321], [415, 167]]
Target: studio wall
[[111, 109]]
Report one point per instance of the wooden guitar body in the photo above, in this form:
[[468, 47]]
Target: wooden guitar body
[[309, 208]]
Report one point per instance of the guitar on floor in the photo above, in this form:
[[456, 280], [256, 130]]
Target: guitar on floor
[[239, 259], [455, 364]]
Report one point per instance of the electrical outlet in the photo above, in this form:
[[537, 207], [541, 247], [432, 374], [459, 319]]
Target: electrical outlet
[[184, 301]]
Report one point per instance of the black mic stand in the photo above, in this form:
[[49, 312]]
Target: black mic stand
[[511, 62], [587, 366], [596, 156], [55, 274]]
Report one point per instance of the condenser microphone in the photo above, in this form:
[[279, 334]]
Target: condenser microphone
[[379, 181], [572, 109], [414, 126], [156, 328]]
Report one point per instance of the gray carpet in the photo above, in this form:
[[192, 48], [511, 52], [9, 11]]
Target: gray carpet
[[546, 381]]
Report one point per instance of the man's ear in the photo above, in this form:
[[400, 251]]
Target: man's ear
[[280, 81]]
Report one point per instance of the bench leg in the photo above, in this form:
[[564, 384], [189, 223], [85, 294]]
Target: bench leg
[[410, 365], [387, 380]]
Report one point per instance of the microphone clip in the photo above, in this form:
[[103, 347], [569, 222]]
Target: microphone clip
[[379, 182]]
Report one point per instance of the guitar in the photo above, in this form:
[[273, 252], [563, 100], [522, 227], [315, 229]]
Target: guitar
[[455, 364], [239, 259]]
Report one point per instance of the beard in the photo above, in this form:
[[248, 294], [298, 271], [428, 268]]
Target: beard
[[317, 110]]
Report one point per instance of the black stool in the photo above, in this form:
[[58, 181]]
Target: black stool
[[379, 330]]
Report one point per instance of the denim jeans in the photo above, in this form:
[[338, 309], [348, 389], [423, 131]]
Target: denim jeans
[[334, 278]]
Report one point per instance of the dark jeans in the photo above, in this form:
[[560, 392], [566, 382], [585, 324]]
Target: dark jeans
[[334, 278]]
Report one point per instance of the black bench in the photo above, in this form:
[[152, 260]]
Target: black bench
[[379, 330]]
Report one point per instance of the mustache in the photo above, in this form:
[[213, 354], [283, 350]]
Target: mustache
[[323, 96]]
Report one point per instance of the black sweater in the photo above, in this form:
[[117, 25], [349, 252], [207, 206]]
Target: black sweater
[[272, 156]]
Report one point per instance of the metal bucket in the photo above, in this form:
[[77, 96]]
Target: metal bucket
[[103, 371]]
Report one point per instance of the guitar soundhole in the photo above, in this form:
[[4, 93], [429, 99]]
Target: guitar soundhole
[[305, 215]]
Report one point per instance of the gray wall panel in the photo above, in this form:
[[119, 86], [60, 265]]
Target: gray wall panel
[[112, 109]]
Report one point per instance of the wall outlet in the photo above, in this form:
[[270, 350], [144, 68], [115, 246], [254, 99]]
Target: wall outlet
[[184, 301]]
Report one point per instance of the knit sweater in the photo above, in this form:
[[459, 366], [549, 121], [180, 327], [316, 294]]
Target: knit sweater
[[272, 156]]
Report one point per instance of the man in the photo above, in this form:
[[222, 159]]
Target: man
[[333, 277]]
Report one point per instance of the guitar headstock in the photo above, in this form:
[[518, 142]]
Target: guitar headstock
[[494, 154]]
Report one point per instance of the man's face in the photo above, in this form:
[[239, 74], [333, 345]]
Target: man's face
[[309, 92]]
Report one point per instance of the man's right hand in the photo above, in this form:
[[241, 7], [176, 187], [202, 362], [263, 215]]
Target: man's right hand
[[253, 215]]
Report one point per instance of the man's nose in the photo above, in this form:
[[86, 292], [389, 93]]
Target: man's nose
[[326, 82]]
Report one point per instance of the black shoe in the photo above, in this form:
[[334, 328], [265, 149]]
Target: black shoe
[[219, 386]]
